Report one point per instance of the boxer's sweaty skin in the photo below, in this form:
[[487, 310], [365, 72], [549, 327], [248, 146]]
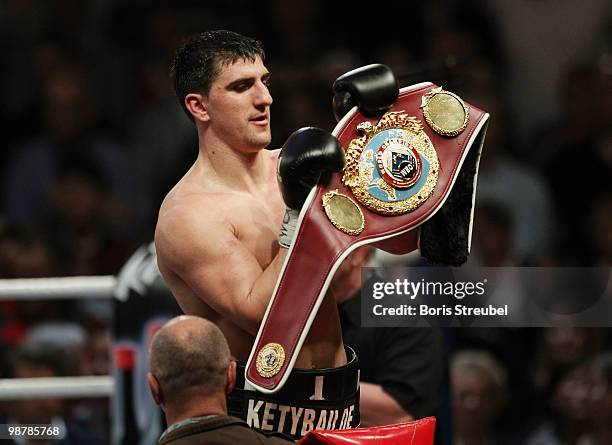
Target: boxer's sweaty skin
[[217, 231]]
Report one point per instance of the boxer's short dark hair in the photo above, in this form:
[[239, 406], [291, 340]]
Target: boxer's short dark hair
[[198, 62]]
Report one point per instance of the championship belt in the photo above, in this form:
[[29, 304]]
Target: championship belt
[[409, 183]]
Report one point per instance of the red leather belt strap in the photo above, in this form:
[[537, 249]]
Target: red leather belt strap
[[319, 247]]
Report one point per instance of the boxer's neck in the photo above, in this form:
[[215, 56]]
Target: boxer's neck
[[249, 171]]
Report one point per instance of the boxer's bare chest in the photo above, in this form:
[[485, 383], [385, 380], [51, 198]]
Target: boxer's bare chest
[[255, 221]]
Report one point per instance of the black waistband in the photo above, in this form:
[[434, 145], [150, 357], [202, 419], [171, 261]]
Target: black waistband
[[339, 383], [310, 399]]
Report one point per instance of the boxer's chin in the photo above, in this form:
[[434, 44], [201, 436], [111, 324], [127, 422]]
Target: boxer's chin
[[260, 141]]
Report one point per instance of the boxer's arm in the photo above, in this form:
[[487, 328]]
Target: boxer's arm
[[377, 407], [215, 264]]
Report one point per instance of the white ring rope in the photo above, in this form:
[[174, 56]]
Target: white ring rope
[[56, 387], [61, 288], [57, 288]]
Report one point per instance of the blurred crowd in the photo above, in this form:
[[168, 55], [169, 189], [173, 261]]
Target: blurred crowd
[[94, 138]]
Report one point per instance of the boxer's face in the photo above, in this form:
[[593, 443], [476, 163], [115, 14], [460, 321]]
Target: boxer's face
[[238, 105]]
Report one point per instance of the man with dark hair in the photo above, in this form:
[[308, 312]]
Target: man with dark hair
[[220, 222], [198, 63], [217, 234], [191, 373]]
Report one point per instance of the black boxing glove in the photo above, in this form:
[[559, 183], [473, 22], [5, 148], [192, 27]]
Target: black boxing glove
[[373, 88], [307, 153]]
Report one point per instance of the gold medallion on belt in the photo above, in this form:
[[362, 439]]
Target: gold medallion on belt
[[393, 168], [444, 112], [270, 359], [343, 212]]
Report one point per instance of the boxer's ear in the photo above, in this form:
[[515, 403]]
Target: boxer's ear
[[196, 105]]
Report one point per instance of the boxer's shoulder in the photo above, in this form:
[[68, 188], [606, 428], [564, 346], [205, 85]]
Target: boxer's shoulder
[[200, 201], [186, 213], [198, 222]]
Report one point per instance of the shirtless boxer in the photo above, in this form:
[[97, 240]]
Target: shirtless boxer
[[217, 235], [217, 232]]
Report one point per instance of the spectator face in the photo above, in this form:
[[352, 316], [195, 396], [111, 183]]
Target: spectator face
[[571, 396], [565, 345], [476, 399], [600, 398], [69, 108]]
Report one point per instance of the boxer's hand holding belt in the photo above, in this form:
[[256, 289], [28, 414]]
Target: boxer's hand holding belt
[[307, 154], [311, 151]]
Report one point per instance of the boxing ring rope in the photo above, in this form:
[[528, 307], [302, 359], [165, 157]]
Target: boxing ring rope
[[57, 387], [85, 287], [57, 288]]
